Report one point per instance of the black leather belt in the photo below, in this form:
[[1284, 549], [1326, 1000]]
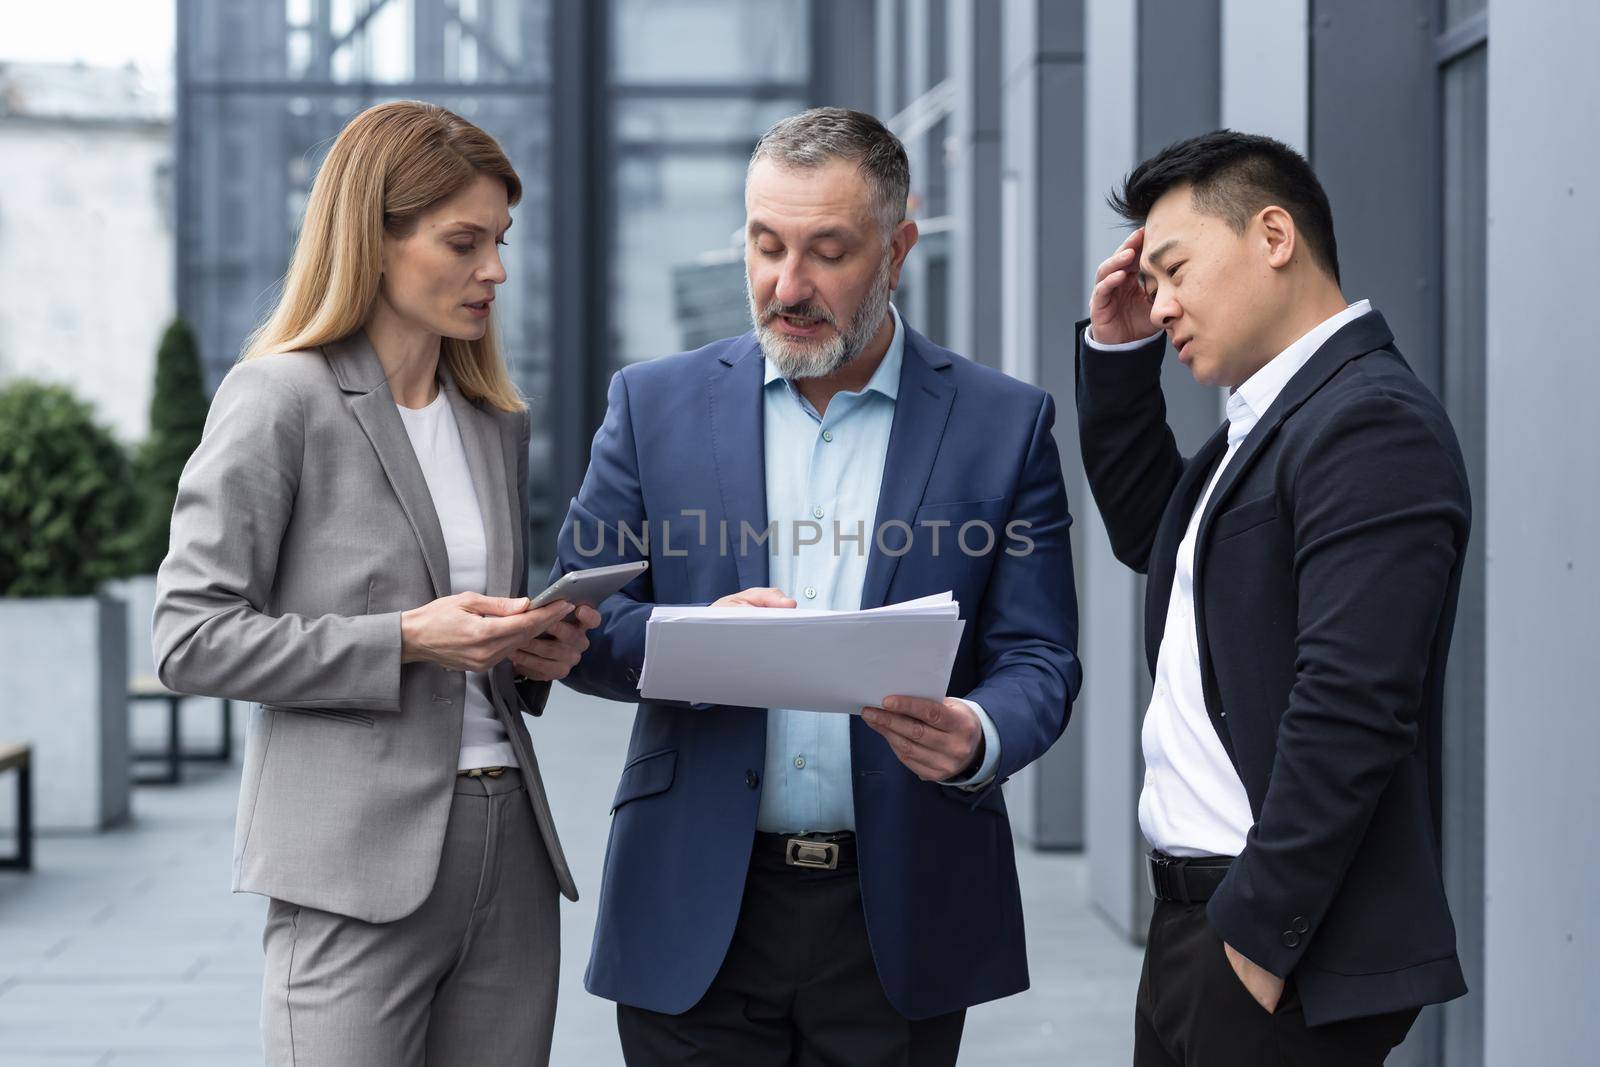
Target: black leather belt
[[816, 851], [1186, 879]]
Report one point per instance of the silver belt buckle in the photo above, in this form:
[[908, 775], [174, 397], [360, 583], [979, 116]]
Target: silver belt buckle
[[819, 855]]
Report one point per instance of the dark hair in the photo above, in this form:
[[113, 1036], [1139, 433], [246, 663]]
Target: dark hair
[[1233, 176], [812, 138]]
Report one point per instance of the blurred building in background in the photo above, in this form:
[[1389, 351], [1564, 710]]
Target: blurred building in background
[[631, 120], [86, 232]]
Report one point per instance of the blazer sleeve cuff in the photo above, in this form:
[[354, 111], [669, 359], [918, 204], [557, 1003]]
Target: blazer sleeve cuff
[[1139, 361], [1257, 930], [1125, 346]]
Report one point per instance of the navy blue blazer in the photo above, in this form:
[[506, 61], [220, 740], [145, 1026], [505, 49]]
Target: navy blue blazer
[[683, 435], [1327, 568]]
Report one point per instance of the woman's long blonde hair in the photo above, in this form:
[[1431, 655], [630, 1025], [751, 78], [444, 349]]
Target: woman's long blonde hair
[[387, 167]]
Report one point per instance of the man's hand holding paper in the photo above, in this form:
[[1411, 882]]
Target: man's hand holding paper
[[937, 740]]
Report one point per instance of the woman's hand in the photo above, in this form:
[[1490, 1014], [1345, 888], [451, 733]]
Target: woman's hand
[[551, 656], [473, 632]]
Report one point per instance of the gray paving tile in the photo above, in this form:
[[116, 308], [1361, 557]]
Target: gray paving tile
[[126, 948]]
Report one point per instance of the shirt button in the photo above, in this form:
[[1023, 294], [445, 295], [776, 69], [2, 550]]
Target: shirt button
[[752, 779], [827, 435], [800, 761], [811, 593], [816, 513]]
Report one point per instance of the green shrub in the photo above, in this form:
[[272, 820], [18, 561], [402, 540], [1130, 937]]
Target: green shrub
[[68, 507], [177, 415]]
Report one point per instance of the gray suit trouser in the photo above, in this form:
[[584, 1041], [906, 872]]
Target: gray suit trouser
[[467, 978]]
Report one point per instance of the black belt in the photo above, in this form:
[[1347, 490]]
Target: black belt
[[815, 851], [1186, 879]]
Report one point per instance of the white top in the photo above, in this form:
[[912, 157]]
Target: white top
[[1193, 803], [436, 439]]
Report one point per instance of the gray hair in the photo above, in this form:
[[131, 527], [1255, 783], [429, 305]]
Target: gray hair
[[813, 138]]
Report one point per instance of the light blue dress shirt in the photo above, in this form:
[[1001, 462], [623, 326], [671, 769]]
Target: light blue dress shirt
[[823, 476]]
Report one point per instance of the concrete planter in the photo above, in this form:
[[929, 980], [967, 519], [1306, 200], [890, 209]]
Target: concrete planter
[[139, 593], [64, 690]]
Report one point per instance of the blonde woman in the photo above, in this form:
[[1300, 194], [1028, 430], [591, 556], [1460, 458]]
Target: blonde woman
[[348, 552]]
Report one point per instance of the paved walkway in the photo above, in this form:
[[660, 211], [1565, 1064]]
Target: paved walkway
[[127, 948]]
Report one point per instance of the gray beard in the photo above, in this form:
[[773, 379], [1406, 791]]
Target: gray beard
[[795, 359]]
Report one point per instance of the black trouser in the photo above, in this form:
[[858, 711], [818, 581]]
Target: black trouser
[[798, 987], [1194, 1012]]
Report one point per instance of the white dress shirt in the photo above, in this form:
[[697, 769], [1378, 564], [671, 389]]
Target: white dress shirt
[[436, 439], [1193, 803]]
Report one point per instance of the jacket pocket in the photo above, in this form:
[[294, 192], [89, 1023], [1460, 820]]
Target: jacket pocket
[[1247, 516], [645, 776], [352, 718]]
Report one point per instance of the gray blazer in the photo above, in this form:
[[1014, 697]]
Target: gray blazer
[[303, 528]]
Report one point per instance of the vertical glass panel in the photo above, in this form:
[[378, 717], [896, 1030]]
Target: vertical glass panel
[[938, 37], [666, 41], [253, 150], [677, 265], [385, 42]]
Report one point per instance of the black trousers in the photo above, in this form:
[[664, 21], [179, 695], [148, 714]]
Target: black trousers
[[798, 989], [1193, 1011]]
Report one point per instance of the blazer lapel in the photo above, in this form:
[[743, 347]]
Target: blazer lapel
[[1354, 339], [739, 450], [1174, 524], [357, 369], [513, 466], [480, 438], [922, 408]]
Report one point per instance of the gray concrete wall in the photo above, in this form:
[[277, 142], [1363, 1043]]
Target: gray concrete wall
[[1542, 915]]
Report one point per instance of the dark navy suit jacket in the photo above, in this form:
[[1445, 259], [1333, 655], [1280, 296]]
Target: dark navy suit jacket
[[1327, 569], [683, 435]]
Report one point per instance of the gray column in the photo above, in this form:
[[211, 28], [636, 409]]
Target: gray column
[[1374, 96], [973, 156], [1109, 642], [1266, 69], [1542, 729], [581, 220], [1152, 78], [843, 48], [1041, 291]]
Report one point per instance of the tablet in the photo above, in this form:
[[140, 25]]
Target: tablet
[[591, 586]]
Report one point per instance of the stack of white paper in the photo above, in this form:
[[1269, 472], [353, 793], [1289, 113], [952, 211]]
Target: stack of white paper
[[804, 658]]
